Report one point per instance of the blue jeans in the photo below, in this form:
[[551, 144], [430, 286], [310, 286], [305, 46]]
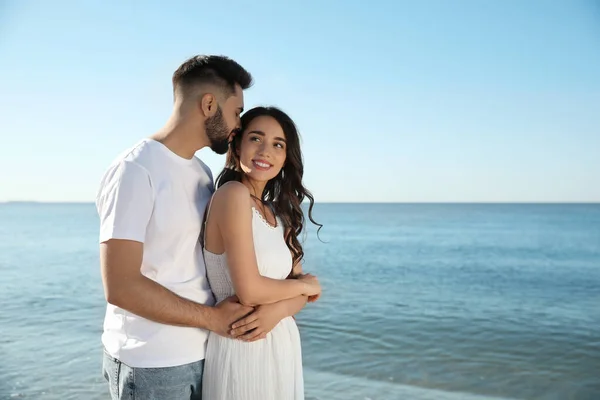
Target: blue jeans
[[169, 383]]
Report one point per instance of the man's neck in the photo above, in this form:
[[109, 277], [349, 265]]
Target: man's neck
[[180, 138]]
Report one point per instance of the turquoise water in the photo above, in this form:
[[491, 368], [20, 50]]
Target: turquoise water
[[421, 302]]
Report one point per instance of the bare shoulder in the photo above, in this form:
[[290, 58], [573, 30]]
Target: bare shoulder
[[232, 195], [232, 191]]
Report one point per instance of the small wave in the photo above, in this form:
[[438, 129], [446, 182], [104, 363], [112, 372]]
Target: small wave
[[330, 386]]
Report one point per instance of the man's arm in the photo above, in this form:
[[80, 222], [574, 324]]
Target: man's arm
[[127, 288], [125, 203]]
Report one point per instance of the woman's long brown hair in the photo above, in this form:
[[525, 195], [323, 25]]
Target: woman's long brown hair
[[286, 191]]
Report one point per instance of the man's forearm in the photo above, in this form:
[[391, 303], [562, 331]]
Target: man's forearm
[[150, 300]]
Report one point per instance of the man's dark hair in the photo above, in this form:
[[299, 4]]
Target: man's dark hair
[[220, 71]]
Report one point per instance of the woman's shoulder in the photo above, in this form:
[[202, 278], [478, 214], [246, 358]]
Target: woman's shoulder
[[231, 193], [232, 188]]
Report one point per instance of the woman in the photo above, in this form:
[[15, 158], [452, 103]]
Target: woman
[[250, 248]]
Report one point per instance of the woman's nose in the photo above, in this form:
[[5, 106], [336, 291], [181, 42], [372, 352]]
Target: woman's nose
[[262, 149]]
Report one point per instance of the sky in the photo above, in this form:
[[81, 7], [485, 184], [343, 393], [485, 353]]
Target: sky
[[396, 101]]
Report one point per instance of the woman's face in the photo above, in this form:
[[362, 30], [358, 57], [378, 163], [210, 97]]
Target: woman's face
[[262, 149]]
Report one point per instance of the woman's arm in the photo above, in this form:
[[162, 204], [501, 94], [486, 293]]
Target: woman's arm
[[233, 214], [265, 317], [291, 307]]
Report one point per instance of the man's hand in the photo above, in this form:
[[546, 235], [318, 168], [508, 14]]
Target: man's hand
[[225, 314], [262, 321]]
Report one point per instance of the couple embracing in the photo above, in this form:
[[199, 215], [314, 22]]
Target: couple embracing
[[202, 277]]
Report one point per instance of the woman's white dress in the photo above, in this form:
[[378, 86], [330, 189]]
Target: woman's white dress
[[267, 369]]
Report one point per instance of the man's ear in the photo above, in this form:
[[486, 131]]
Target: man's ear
[[208, 105]]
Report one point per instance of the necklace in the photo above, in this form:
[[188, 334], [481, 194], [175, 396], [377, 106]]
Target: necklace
[[261, 203]]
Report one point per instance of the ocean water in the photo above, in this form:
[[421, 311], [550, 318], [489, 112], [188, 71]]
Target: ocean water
[[428, 301]]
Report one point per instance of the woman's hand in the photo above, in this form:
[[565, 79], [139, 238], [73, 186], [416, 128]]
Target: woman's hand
[[312, 299], [313, 287]]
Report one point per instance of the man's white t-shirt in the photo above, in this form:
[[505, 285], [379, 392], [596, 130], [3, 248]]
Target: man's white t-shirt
[[151, 195]]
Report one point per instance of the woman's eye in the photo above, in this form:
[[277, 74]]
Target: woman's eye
[[254, 139], [279, 145]]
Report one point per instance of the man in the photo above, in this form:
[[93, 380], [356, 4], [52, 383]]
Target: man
[[151, 204]]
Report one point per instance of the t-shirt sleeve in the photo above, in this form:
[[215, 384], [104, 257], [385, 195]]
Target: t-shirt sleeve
[[125, 202], [208, 171]]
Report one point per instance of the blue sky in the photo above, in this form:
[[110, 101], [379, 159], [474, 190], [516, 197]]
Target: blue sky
[[435, 101]]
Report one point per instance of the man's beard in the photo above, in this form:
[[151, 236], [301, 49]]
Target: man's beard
[[218, 133]]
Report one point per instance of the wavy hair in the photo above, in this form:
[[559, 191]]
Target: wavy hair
[[285, 192]]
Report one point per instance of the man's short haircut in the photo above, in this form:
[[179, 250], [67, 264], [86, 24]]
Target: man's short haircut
[[219, 71]]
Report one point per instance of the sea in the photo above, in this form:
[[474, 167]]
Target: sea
[[420, 301]]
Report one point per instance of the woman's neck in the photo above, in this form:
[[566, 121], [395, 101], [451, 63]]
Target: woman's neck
[[256, 188]]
